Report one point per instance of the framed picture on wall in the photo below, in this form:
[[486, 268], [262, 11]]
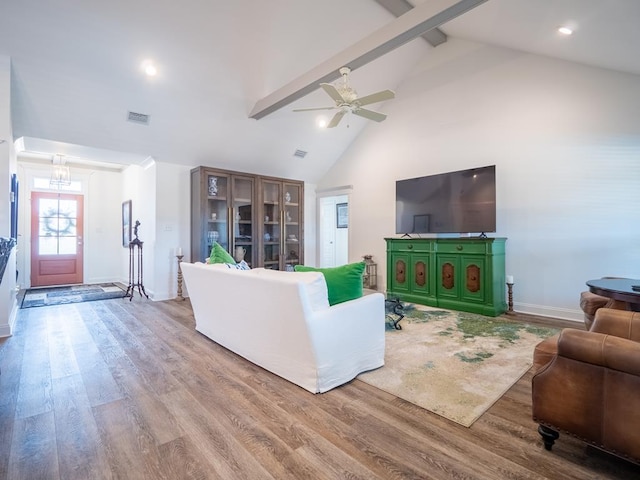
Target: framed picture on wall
[[126, 223], [342, 215], [14, 206]]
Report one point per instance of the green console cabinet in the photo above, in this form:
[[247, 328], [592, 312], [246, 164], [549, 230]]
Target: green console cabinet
[[457, 273]]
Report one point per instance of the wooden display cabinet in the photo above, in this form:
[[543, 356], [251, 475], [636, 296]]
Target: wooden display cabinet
[[254, 218]]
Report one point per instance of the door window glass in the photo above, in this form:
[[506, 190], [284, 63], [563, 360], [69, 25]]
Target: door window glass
[[57, 227]]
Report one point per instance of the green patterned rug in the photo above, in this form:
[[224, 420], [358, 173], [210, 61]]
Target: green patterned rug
[[455, 364]]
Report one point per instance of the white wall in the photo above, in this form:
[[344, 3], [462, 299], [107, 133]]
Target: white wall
[[8, 305], [310, 222], [103, 221], [565, 139], [139, 186], [173, 199]]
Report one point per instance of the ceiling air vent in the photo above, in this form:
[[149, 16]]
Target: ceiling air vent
[[300, 153], [140, 118]]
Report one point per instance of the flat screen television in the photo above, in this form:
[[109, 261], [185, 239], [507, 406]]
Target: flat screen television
[[453, 202]]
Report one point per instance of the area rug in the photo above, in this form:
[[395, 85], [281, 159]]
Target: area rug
[[454, 364], [41, 297]]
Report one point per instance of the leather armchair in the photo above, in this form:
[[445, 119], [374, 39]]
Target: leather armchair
[[590, 386]]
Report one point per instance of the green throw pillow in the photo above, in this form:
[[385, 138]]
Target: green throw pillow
[[220, 255], [343, 283]]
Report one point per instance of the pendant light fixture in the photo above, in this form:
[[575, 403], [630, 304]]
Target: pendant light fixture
[[60, 175]]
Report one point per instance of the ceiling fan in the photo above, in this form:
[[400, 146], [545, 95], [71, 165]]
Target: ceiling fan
[[347, 100]]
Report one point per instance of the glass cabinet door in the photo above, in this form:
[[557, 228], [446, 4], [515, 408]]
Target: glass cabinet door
[[217, 211], [292, 222], [271, 224], [243, 221]]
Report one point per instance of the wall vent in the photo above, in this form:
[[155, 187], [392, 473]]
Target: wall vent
[[300, 153], [140, 118]]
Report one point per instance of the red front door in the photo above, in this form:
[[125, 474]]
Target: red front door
[[56, 238]]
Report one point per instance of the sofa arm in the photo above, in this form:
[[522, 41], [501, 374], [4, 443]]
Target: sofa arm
[[600, 349], [620, 323], [350, 334]]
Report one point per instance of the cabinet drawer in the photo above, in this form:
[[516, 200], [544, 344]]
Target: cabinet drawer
[[410, 246], [463, 247]]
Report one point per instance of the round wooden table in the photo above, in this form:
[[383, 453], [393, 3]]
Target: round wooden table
[[618, 289]]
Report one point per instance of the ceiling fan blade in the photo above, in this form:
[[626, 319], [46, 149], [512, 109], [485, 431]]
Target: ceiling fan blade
[[370, 114], [311, 109], [377, 97], [332, 91], [336, 119]]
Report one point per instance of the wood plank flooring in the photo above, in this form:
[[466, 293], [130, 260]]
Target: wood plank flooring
[[129, 390]]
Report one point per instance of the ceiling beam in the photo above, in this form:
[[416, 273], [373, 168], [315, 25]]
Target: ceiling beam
[[403, 29], [433, 37]]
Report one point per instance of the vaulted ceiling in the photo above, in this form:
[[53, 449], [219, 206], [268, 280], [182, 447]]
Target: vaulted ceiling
[[76, 70]]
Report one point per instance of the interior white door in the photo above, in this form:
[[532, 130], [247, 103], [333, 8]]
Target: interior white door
[[333, 241], [327, 232]]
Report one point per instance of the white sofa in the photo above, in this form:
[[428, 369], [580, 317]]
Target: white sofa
[[282, 322]]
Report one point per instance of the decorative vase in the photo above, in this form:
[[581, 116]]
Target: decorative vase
[[287, 197], [240, 253], [213, 186]]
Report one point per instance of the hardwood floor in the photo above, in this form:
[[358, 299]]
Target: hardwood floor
[[119, 389]]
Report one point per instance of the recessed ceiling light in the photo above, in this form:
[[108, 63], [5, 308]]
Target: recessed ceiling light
[[149, 68], [322, 122], [565, 30]]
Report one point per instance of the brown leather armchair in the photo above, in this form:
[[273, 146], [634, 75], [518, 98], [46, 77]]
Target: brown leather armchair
[[587, 384]]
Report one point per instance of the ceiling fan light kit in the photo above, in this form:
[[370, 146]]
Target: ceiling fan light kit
[[347, 101]]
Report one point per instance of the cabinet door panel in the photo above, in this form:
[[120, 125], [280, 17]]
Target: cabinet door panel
[[217, 187], [448, 276], [400, 280], [243, 219], [282, 224], [292, 221], [271, 224], [472, 285], [420, 274]]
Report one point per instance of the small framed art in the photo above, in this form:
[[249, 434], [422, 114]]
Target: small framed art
[[342, 215], [126, 223]]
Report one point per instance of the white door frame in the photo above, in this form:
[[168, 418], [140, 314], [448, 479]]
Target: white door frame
[[321, 197]]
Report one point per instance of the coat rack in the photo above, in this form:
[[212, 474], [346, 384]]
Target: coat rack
[[135, 266]]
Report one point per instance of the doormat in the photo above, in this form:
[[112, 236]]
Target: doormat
[[42, 297], [455, 364]]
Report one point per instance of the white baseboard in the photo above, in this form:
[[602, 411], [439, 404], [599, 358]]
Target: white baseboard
[[7, 329], [553, 312]]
